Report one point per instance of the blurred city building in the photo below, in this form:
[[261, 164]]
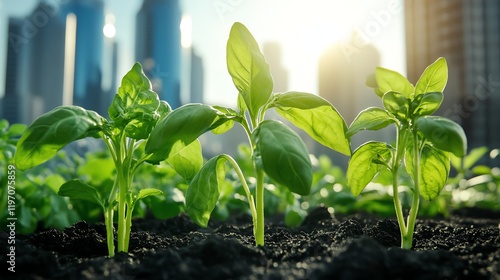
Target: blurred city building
[[158, 47], [343, 69], [467, 34], [15, 101], [273, 53], [197, 81], [55, 57]]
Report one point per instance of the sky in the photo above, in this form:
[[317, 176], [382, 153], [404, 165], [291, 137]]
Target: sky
[[304, 29]]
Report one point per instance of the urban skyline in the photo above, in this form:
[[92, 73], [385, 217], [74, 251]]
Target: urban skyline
[[467, 34], [341, 67]]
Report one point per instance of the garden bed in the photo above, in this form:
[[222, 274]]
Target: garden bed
[[465, 246]]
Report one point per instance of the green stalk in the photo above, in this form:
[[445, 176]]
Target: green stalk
[[259, 229], [397, 206], [122, 207], [400, 144], [108, 220], [128, 224], [412, 217], [250, 199]]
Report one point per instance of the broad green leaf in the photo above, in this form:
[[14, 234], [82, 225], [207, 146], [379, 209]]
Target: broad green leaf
[[372, 118], [16, 129], [444, 134], [316, 116], [54, 182], [427, 103], [54, 130], [434, 78], [434, 170], [241, 103], [204, 190], [135, 108], [470, 159], [474, 156], [248, 68], [186, 160], [77, 189], [184, 124], [371, 81], [389, 80], [143, 193], [363, 164], [228, 124], [97, 169], [280, 152], [397, 104]]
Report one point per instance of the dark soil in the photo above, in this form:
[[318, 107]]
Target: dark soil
[[351, 247]]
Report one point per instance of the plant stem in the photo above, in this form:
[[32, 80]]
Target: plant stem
[[412, 217], [400, 143], [397, 205], [122, 207], [110, 237], [251, 201], [259, 229]]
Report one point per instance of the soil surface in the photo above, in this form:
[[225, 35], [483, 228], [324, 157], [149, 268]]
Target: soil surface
[[323, 247]]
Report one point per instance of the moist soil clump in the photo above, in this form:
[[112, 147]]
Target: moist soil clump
[[323, 247]]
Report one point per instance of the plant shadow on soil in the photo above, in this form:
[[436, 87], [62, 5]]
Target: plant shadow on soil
[[323, 247]]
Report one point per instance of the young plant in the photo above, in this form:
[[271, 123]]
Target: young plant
[[422, 141], [276, 150], [134, 112]]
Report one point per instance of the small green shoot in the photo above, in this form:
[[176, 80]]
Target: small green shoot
[[423, 142], [134, 112], [276, 150]]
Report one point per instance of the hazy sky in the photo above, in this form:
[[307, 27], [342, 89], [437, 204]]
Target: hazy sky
[[303, 28]]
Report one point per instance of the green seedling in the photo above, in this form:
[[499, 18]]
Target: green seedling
[[276, 150], [134, 112], [423, 142]]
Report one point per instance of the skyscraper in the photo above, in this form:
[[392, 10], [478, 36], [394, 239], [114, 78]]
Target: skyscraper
[[342, 81], [197, 80], [55, 58], [44, 75], [14, 100], [273, 54], [158, 47], [88, 53], [467, 34]]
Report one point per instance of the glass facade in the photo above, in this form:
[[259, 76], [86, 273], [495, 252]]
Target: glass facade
[[88, 53], [158, 47], [467, 34]]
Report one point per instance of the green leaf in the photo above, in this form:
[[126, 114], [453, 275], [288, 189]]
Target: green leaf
[[372, 118], [204, 190], [280, 152], [77, 189], [371, 81], [474, 156], [444, 134], [225, 127], [427, 103], [97, 169], [364, 164], [316, 116], [248, 68], [184, 124], [143, 193], [434, 170], [136, 108], [389, 80], [16, 130], [434, 78], [186, 160], [397, 104], [54, 130]]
